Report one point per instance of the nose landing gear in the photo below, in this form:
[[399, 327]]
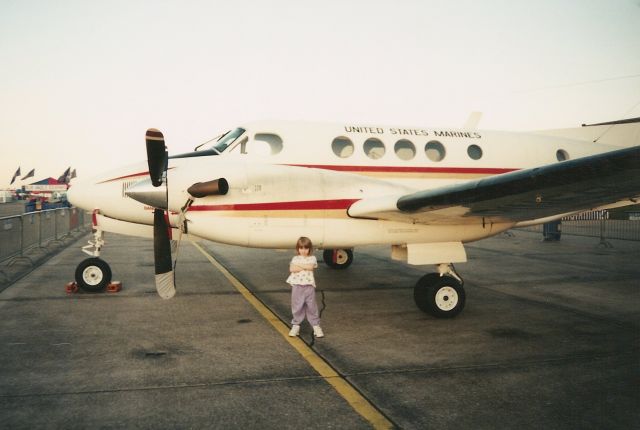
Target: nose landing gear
[[93, 274]]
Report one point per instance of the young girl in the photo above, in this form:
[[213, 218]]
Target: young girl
[[303, 288]]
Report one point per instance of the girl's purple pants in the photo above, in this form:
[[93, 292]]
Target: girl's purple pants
[[303, 304]]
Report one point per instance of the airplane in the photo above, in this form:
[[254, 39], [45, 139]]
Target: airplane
[[424, 191]]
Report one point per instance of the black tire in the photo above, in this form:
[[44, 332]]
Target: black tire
[[440, 296], [338, 258], [93, 275]]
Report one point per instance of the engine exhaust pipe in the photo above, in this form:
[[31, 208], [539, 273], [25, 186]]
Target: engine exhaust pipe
[[217, 187]]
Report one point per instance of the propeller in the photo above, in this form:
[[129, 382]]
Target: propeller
[[155, 192], [158, 158]]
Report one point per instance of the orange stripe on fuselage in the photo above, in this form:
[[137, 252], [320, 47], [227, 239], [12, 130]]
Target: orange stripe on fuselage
[[291, 209], [297, 214], [279, 206]]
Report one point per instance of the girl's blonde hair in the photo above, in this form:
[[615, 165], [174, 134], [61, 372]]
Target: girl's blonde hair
[[304, 242]]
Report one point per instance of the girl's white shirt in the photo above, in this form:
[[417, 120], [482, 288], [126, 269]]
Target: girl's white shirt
[[304, 277]]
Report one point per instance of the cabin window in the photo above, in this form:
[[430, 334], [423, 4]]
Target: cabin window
[[272, 140], [562, 155], [374, 148], [474, 152], [405, 149], [435, 151], [342, 147]]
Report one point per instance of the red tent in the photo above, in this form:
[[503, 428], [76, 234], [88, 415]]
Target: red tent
[[48, 181]]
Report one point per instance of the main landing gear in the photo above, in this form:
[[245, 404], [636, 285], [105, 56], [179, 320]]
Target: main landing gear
[[93, 274], [338, 258], [440, 294]]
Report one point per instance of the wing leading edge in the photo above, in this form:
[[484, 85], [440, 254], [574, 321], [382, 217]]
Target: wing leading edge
[[524, 195]]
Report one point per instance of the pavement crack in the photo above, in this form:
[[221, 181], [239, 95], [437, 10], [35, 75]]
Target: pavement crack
[[166, 387], [630, 357]]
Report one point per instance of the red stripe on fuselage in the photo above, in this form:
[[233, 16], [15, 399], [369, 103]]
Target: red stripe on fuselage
[[407, 169], [133, 175], [372, 169], [278, 206]]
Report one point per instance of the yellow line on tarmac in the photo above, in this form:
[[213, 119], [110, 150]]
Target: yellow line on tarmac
[[344, 388]]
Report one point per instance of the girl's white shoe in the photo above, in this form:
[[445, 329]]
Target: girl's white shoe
[[295, 330], [317, 331]]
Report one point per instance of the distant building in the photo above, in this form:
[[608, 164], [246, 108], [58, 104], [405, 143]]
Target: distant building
[[6, 196]]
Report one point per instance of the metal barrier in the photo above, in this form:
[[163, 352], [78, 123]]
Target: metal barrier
[[603, 228], [20, 233]]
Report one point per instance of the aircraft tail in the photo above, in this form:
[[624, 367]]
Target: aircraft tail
[[622, 133]]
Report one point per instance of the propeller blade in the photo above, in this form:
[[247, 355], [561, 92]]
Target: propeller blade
[[157, 158], [162, 255], [156, 155]]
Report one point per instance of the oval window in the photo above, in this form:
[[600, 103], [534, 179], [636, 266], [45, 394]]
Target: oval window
[[562, 155], [435, 150], [404, 149], [342, 147], [475, 152], [374, 148]]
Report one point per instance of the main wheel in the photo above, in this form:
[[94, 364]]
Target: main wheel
[[93, 275], [440, 296], [338, 258]]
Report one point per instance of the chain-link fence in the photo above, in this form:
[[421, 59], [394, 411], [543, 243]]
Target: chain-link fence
[[20, 233], [603, 228]]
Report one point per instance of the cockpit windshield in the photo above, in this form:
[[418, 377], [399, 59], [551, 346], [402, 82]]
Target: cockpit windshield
[[227, 139]]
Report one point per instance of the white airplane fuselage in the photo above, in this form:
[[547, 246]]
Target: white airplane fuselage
[[299, 179]]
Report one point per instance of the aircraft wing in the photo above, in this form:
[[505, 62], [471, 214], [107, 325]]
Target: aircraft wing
[[524, 195]]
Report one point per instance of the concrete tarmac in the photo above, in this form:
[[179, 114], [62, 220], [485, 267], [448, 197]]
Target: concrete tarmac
[[548, 339]]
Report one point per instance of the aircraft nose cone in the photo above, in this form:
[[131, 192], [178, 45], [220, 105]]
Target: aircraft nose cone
[[80, 196], [71, 195], [145, 193]]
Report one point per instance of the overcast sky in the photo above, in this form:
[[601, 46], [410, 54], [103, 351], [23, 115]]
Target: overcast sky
[[81, 81]]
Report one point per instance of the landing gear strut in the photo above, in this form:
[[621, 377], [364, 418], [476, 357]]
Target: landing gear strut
[[338, 258], [440, 294], [93, 274]]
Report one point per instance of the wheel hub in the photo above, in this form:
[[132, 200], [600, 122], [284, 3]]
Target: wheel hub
[[446, 298], [340, 256], [92, 275]]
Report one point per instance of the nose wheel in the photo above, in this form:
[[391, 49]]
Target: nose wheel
[[93, 275], [440, 296]]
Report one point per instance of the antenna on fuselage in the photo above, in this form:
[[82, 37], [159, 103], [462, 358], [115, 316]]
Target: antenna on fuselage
[[611, 124]]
